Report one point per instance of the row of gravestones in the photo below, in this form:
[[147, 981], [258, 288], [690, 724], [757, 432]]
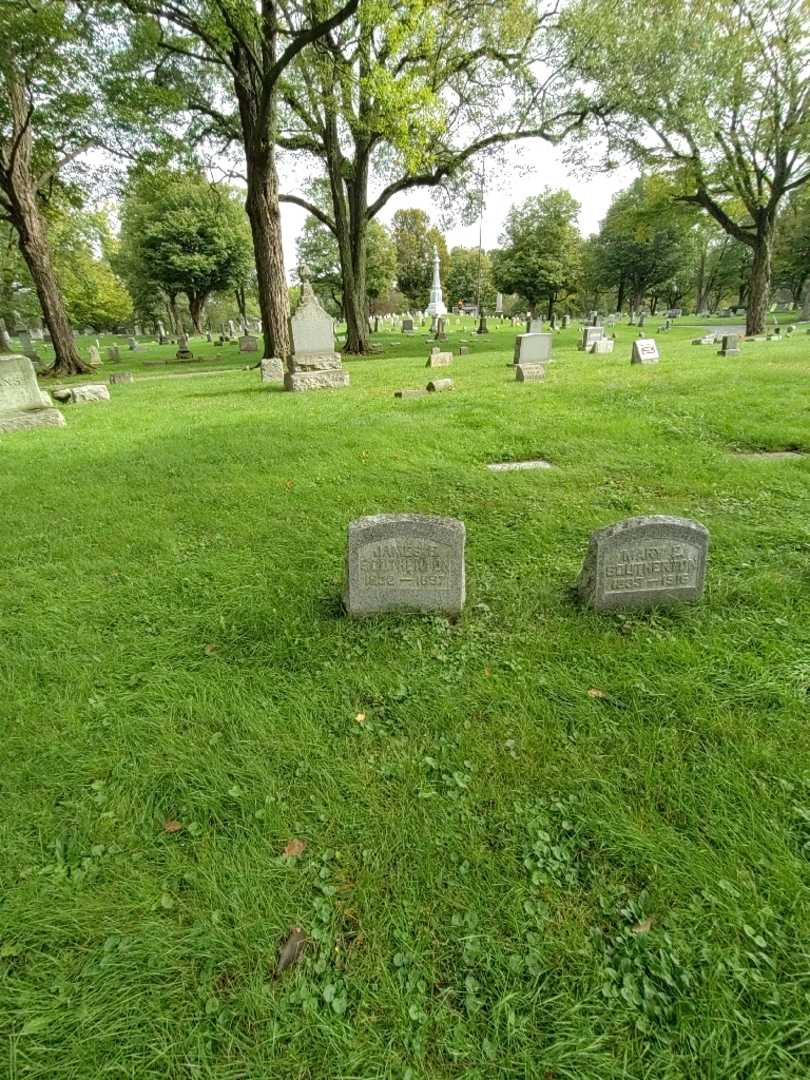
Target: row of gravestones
[[415, 562]]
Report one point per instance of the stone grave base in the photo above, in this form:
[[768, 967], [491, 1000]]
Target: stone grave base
[[329, 379], [529, 372], [27, 419], [317, 362]]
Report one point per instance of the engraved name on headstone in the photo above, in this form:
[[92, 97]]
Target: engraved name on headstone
[[404, 562], [645, 562], [645, 351], [22, 404]]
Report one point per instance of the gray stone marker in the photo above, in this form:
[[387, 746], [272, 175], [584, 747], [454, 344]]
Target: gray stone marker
[[23, 405], [730, 345], [590, 334], [408, 393], [645, 562], [529, 372], [533, 348], [94, 357], [272, 370], [314, 365], [535, 326], [133, 344], [438, 358], [113, 353], [183, 351], [603, 346], [645, 351], [404, 562], [248, 343], [437, 385], [407, 326], [121, 377], [82, 395]]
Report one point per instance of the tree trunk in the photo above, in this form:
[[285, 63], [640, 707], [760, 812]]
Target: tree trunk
[[19, 190], [241, 303], [759, 288], [171, 311], [620, 295], [653, 303], [263, 212], [196, 303], [550, 310]]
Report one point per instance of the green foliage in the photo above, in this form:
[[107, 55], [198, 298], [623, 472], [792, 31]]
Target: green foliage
[[381, 261], [463, 278], [181, 233], [792, 245], [541, 253], [645, 241], [318, 249], [415, 239]]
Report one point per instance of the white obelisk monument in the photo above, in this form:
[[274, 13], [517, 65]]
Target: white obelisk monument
[[436, 305]]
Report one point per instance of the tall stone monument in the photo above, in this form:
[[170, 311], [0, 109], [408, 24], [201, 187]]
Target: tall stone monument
[[436, 305], [314, 364], [22, 403]]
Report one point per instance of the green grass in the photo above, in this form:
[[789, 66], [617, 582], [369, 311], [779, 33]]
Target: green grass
[[482, 848]]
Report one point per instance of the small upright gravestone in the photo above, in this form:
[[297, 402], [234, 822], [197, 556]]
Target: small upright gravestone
[[121, 377], [407, 326], [645, 351], [94, 357], [404, 562], [644, 562], [248, 343], [133, 344], [183, 351], [113, 353], [590, 334], [533, 348], [22, 403], [529, 372], [441, 330], [730, 345], [602, 345], [272, 370], [439, 359]]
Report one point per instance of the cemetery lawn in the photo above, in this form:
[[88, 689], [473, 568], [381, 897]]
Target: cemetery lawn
[[541, 842]]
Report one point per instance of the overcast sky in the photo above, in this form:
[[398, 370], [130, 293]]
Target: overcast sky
[[535, 165]]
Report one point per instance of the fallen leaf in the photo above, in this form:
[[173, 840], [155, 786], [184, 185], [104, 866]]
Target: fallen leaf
[[172, 826], [644, 926], [598, 694], [291, 951], [210, 649], [295, 848], [361, 718], [487, 672]]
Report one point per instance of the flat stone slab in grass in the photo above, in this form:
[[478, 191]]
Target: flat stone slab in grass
[[87, 392], [764, 455], [404, 562], [519, 466], [437, 385], [121, 377], [645, 562], [406, 393]]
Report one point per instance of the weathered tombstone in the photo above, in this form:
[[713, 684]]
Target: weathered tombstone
[[94, 357], [133, 344], [590, 334], [641, 320], [22, 404], [534, 326], [730, 346], [183, 351], [441, 330], [408, 393], [645, 351], [404, 562], [644, 562], [436, 386], [707, 339], [231, 330], [121, 377], [113, 353], [81, 395], [529, 372], [248, 343], [163, 339], [533, 348], [439, 359], [272, 370], [566, 322], [602, 346], [314, 365], [407, 326]]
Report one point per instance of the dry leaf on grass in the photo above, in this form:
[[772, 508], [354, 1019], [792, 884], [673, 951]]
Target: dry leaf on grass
[[209, 649], [291, 951], [172, 826], [361, 718], [599, 695], [295, 848], [644, 926]]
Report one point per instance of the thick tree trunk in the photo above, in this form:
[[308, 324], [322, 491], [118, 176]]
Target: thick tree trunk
[[263, 212], [759, 288], [550, 310], [196, 303], [241, 303], [620, 295]]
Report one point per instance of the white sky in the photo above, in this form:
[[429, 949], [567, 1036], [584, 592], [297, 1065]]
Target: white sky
[[535, 165]]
